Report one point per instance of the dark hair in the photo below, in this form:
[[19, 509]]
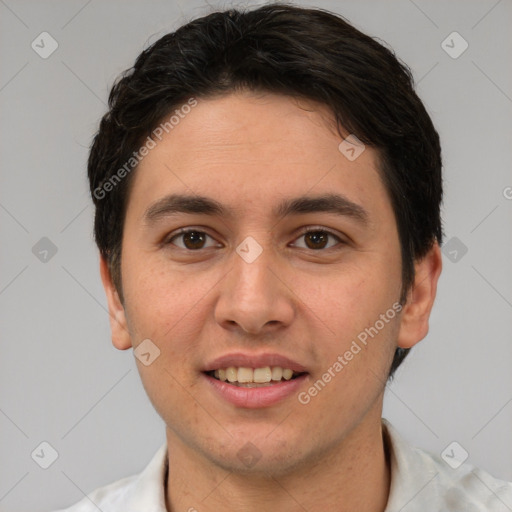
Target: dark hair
[[304, 53]]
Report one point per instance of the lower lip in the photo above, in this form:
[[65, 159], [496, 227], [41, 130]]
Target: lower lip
[[254, 398]]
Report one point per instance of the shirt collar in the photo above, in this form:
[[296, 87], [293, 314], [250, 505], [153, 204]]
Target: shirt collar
[[412, 473], [148, 491]]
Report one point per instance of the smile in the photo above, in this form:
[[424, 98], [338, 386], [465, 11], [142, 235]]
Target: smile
[[254, 377], [254, 380]]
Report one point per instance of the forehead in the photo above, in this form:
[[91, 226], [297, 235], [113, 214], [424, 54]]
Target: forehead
[[250, 151]]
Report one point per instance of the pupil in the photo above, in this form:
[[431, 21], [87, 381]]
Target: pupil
[[193, 240], [318, 237]]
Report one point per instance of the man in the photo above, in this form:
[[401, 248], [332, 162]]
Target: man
[[267, 188]]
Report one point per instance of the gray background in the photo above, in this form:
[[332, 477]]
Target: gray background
[[62, 382]]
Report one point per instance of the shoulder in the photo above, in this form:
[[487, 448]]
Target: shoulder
[[143, 491], [106, 498], [421, 481]]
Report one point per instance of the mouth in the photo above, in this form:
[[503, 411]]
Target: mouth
[[246, 377], [253, 381]]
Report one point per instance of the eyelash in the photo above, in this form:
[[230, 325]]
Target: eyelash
[[311, 229]]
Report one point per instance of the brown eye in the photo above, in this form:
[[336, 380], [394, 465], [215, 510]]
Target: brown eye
[[194, 240], [190, 239], [316, 239]]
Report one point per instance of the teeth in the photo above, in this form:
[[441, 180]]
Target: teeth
[[287, 374], [262, 374], [277, 373], [244, 375], [232, 374]]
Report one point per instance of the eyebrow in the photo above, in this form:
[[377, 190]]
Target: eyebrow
[[327, 203], [195, 204]]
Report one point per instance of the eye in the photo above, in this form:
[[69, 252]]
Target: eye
[[317, 238], [191, 239]]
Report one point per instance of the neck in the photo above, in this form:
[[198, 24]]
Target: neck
[[353, 476]]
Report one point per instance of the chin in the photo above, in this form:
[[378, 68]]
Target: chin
[[260, 457]]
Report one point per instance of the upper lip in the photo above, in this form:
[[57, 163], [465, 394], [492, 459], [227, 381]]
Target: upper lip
[[253, 361]]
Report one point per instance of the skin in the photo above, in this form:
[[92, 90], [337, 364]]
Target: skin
[[250, 151]]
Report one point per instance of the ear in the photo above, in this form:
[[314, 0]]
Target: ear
[[420, 299], [120, 335]]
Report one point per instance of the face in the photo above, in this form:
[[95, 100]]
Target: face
[[288, 258]]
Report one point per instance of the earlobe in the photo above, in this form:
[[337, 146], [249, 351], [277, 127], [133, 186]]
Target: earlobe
[[118, 325], [420, 299]]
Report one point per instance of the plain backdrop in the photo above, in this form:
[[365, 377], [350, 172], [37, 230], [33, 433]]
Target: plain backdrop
[[62, 382]]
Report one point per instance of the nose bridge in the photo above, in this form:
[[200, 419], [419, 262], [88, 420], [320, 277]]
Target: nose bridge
[[252, 274], [251, 295]]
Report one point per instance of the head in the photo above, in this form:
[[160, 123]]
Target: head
[[249, 109]]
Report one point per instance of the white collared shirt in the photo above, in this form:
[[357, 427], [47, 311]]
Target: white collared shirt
[[420, 482]]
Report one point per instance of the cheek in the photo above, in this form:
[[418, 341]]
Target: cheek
[[173, 308], [347, 309], [349, 300], [157, 297]]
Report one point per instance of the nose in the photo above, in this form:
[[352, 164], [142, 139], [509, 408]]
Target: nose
[[254, 297]]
